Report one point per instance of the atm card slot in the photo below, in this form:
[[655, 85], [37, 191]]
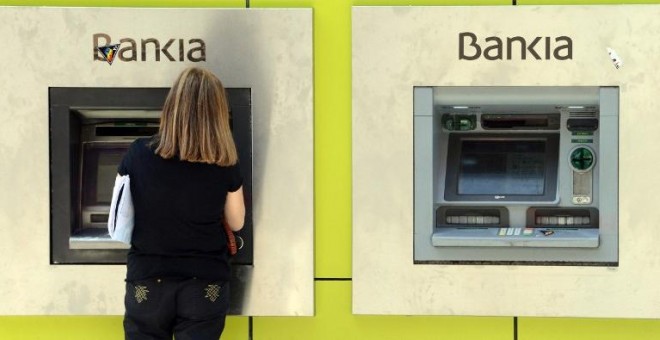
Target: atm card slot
[[549, 121], [99, 218], [582, 124]]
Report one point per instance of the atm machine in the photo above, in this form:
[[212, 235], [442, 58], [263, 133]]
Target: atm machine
[[516, 175], [90, 131]]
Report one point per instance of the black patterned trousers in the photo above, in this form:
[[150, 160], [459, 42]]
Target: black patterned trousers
[[184, 308]]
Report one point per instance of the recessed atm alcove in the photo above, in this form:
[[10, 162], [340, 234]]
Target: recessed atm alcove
[[516, 175], [90, 131]]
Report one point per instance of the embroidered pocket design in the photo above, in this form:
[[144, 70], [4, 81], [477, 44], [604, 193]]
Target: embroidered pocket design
[[141, 293], [212, 292]]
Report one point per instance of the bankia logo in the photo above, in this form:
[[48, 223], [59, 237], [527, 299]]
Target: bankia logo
[[516, 47], [149, 49], [109, 52]]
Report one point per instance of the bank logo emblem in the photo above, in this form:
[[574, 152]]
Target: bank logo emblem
[[109, 52], [148, 49]]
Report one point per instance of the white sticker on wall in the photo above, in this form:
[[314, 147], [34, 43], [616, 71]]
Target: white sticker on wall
[[616, 60]]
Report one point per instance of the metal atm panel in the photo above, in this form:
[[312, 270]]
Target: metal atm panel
[[90, 131], [512, 175]]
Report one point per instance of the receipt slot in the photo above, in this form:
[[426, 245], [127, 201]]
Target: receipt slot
[[516, 175], [90, 131]]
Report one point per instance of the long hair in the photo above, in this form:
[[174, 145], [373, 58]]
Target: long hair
[[194, 124]]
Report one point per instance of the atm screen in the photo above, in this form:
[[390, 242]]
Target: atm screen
[[491, 167], [502, 168], [105, 175], [99, 171]]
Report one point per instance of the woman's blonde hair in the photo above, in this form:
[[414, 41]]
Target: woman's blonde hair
[[194, 124]]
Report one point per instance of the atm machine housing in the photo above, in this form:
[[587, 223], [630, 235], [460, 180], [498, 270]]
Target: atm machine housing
[[516, 175], [90, 131]]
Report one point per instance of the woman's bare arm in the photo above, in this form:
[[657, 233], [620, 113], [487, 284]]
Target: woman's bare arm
[[235, 209]]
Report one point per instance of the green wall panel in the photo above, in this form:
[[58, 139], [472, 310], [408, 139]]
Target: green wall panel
[[587, 329], [334, 321], [429, 2], [585, 2], [237, 327], [61, 327], [282, 3]]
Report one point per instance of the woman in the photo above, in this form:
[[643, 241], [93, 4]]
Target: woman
[[185, 181]]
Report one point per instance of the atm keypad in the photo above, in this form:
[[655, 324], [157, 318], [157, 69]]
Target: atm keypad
[[515, 232]]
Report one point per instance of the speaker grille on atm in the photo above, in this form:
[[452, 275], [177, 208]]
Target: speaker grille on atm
[[586, 113]]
